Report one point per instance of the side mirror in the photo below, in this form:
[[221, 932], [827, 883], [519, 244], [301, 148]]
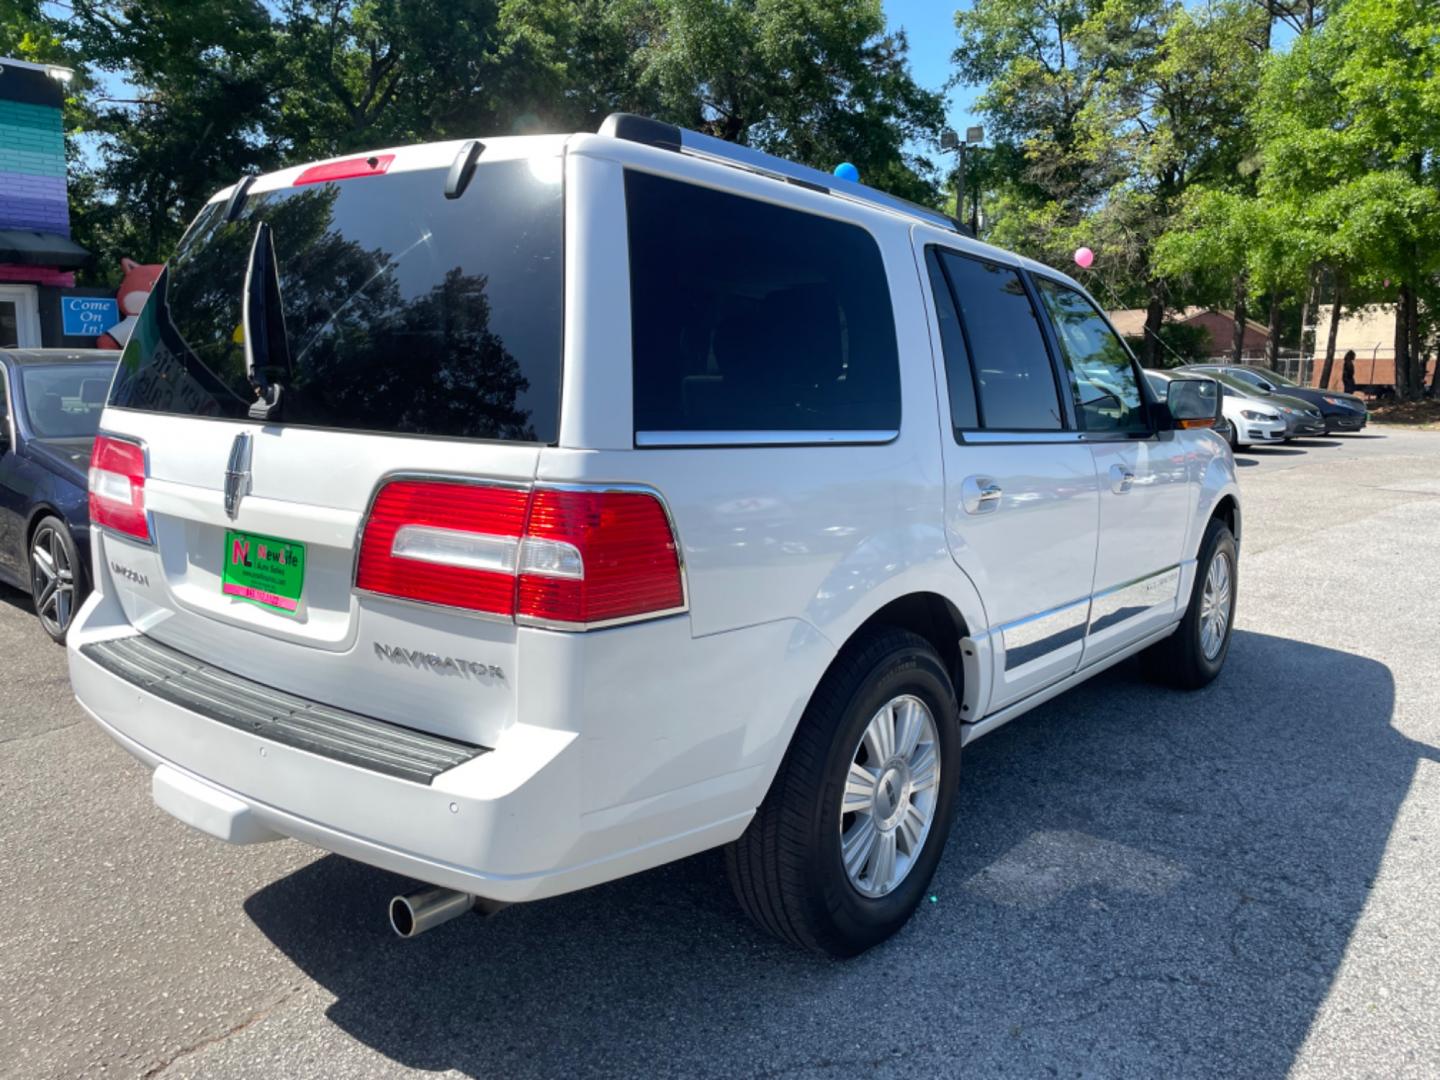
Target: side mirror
[[1266, 387], [1193, 403]]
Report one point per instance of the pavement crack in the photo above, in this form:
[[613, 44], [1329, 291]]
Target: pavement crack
[[37, 734], [214, 1040]]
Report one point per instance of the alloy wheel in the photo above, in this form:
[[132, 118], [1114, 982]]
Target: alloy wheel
[[52, 580], [890, 796], [1215, 606]]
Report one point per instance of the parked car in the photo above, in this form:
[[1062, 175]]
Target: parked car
[[1254, 417], [50, 403], [1340, 412], [1160, 379], [599, 509]]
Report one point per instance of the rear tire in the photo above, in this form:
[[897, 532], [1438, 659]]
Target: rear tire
[[1194, 654], [844, 795], [57, 580]]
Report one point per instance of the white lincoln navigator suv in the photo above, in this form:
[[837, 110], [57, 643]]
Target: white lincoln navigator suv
[[523, 513]]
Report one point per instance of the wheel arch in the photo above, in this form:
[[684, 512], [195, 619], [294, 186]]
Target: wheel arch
[[1227, 509]]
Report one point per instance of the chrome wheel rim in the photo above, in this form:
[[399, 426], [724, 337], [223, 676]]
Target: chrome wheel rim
[[890, 796], [52, 580], [1215, 606]]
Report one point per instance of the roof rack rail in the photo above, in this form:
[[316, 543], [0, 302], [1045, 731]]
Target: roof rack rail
[[643, 129]]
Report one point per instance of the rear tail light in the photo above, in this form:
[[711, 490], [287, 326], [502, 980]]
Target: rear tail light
[[568, 558], [444, 543], [596, 556], [117, 487]]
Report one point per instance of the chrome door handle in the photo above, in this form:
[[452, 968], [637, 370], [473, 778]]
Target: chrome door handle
[[1121, 479], [980, 495]]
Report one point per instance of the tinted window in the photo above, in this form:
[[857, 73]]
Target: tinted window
[[958, 377], [65, 402], [404, 311], [1102, 373], [747, 316], [1013, 374]]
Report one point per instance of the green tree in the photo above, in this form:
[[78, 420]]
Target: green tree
[[1348, 122], [1114, 110]]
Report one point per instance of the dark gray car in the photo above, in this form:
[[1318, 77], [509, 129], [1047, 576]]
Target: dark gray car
[[1339, 412]]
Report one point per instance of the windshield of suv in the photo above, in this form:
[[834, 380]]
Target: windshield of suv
[[400, 311], [64, 401]]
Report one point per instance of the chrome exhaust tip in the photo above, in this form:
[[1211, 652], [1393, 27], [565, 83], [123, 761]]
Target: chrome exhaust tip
[[416, 912]]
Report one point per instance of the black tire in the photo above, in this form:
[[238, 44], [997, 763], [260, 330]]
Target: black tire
[[786, 869], [55, 592], [1180, 660]]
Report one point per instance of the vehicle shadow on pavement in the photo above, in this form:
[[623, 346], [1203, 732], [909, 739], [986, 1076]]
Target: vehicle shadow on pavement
[[1140, 882], [17, 598]]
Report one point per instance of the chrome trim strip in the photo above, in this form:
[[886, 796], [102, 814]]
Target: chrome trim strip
[[989, 436], [1000, 717], [1131, 598], [652, 439], [1034, 636]]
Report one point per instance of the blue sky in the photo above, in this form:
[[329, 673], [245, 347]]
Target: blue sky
[[930, 26]]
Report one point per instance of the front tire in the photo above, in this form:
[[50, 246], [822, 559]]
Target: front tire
[[56, 577], [843, 847], [1194, 654]]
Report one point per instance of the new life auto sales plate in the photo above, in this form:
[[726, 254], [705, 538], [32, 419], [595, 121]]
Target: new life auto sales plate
[[264, 570]]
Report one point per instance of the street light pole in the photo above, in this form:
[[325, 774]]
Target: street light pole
[[950, 140]]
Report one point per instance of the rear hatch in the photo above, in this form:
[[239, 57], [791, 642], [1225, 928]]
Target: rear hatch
[[407, 332]]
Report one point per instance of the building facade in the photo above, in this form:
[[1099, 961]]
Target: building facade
[[39, 302]]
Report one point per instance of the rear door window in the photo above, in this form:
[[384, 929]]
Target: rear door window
[[405, 312], [1014, 377], [747, 316]]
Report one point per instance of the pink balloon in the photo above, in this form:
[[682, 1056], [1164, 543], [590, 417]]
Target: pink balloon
[[1084, 257]]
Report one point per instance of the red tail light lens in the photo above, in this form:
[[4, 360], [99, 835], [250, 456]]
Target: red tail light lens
[[622, 542], [117, 487], [444, 543], [563, 558]]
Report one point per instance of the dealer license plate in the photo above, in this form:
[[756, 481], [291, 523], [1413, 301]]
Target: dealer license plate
[[264, 570]]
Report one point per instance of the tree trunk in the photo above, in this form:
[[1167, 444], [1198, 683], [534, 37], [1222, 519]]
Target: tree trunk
[[1335, 298], [1307, 340], [1154, 317], [1237, 337], [1272, 332], [1417, 358], [1435, 376], [1402, 343]]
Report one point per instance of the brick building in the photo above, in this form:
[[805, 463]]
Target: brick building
[[38, 298], [1218, 325]]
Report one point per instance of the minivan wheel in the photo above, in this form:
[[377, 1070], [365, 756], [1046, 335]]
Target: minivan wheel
[[1195, 653], [55, 577], [843, 847]]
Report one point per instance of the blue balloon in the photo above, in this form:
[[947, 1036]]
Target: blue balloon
[[846, 171]]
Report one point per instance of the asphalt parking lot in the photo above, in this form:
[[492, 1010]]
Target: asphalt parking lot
[[1238, 882]]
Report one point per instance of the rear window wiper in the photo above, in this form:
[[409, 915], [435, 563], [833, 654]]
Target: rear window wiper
[[267, 346]]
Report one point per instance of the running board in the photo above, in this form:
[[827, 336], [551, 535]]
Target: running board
[[970, 732]]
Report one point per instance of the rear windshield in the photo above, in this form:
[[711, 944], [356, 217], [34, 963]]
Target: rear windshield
[[64, 401], [404, 312]]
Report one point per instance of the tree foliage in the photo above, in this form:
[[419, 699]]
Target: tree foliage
[[187, 96]]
